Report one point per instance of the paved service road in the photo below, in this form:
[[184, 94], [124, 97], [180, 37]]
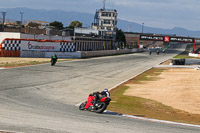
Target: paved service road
[[43, 98]]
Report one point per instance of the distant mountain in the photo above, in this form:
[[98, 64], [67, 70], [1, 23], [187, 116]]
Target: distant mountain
[[49, 16], [87, 19]]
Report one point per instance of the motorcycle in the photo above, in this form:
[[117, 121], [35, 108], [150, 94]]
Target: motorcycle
[[53, 62], [99, 107]]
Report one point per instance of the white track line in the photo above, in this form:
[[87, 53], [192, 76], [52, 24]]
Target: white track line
[[155, 120]]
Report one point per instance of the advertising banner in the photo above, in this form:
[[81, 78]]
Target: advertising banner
[[181, 39], [40, 46], [151, 38], [167, 38]]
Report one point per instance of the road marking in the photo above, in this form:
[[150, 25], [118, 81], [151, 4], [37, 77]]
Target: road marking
[[153, 120], [1, 68]]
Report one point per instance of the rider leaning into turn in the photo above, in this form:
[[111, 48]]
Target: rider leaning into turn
[[97, 95]]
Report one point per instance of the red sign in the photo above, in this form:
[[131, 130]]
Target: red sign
[[166, 39]]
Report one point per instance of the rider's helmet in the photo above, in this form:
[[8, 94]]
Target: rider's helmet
[[105, 90]]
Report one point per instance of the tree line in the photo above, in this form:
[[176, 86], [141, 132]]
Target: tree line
[[58, 25], [120, 37]]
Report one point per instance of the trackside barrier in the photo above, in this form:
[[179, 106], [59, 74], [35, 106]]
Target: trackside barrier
[[77, 54], [88, 54], [194, 55], [11, 47], [45, 48], [6, 53]]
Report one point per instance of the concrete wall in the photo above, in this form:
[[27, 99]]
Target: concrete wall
[[194, 55], [79, 54], [192, 61], [40, 54], [32, 54], [69, 55], [87, 54]]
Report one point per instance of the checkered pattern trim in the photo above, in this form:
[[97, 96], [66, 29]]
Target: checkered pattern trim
[[11, 45], [67, 47]]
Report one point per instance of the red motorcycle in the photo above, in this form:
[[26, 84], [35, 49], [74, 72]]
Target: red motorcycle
[[100, 106]]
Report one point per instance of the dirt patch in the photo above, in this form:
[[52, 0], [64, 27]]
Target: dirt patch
[[14, 62], [178, 88]]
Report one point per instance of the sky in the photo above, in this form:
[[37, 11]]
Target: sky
[[165, 14]]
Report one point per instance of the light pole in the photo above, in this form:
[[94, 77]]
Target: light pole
[[21, 21], [4, 17], [21, 18], [142, 27]]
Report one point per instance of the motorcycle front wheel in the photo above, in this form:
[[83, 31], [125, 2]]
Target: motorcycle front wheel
[[101, 107]]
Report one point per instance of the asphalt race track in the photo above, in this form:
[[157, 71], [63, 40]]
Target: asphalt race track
[[42, 98]]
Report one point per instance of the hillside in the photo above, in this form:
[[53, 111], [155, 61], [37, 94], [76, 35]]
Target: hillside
[[87, 19]]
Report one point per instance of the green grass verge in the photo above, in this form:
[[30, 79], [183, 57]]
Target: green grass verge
[[184, 55], [147, 108]]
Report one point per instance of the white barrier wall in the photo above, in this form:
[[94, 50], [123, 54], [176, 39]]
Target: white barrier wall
[[87, 54], [36, 45], [40, 54], [78, 54], [70, 55], [193, 55]]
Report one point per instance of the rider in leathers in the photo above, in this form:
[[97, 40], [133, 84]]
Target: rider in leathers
[[104, 93]]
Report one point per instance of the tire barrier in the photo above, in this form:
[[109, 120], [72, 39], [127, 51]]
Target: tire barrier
[[178, 62]]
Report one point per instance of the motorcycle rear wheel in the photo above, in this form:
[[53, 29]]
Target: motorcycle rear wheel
[[82, 106]]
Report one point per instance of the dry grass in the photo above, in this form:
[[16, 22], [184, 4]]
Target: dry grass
[[17, 61], [145, 107]]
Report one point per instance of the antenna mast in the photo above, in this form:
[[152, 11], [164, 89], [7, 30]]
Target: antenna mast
[[104, 4]]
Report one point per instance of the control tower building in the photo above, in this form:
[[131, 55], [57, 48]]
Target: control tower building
[[105, 20]]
